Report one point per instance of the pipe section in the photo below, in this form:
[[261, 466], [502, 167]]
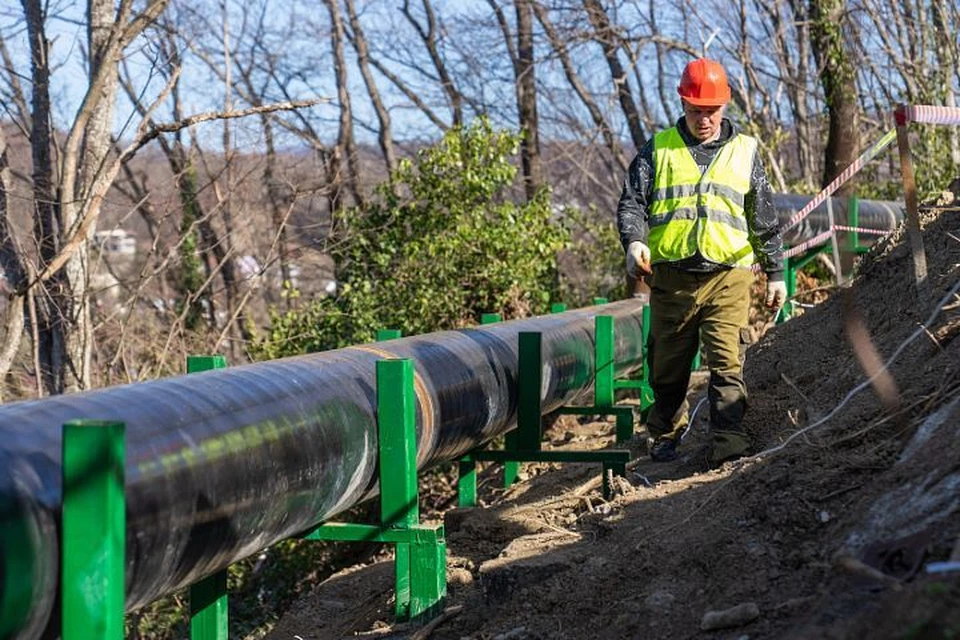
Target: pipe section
[[224, 463], [873, 214]]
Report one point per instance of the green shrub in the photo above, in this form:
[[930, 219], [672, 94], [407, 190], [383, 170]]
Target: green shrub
[[440, 244]]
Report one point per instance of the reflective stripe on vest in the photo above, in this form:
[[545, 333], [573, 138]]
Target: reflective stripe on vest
[[691, 211]]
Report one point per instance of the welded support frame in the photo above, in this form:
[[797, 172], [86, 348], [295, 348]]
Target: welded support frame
[[209, 605], [606, 383], [524, 443], [793, 266], [420, 567], [93, 530]]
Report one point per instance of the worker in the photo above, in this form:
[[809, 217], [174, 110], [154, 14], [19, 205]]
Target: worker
[[695, 214]]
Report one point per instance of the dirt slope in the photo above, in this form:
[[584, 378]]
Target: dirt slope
[[826, 535]]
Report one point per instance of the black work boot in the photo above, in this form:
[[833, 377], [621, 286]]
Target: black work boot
[[664, 450], [728, 445]]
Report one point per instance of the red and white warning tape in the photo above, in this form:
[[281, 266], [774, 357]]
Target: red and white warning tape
[[820, 238], [845, 175], [815, 241], [876, 232], [927, 114]]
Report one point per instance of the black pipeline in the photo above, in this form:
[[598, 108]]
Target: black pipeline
[[225, 463], [871, 214]]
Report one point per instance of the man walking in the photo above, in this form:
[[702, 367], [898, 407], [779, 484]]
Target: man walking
[[696, 212]]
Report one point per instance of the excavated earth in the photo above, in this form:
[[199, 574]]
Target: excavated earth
[[843, 526]]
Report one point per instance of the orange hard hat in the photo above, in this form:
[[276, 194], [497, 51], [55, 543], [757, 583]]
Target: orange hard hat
[[704, 83]]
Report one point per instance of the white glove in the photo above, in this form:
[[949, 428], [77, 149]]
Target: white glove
[[776, 293], [638, 256]]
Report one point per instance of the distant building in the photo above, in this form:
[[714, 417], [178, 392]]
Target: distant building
[[115, 242]]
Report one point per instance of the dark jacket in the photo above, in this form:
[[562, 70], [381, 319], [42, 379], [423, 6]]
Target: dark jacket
[[761, 215]]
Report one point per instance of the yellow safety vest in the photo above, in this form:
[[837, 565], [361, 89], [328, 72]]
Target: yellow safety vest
[[691, 211]]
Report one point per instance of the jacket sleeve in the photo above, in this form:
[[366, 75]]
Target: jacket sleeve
[[632, 208], [764, 224]]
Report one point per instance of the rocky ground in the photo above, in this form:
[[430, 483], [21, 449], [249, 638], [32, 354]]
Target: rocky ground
[[835, 529]]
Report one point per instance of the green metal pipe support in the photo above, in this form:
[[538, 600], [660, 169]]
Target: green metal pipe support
[[225, 462]]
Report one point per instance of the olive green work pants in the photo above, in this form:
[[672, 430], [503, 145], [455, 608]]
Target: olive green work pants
[[687, 309]]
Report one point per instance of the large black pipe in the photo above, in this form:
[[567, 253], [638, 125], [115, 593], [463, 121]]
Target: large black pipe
[[873, 214], [224, 463]]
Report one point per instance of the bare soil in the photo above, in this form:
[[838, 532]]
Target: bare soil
[[829, 532]]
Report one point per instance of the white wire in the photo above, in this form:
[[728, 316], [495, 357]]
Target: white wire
[[860, 387], [693, 416]]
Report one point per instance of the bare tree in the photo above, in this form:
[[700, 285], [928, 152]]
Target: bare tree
[[525, 86], [14, 270], [359, 41], [561, 48], [68, 193], [346, 147], [606, 36], [429, 36]]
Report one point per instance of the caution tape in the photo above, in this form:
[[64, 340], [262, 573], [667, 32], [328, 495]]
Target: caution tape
[[845, 175], [927, 114], [815, 241], [820, 238], [875, 232]]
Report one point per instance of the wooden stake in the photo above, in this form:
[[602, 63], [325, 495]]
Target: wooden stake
[[910, 193]]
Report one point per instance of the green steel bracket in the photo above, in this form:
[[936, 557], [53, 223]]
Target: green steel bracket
[[209, 616], [792, 267], [599, 300], [387, 334], [606, 455], [523, 444], [93, 530], [17, 562], [420, 569], [853, 219], [606, 383], [558, 307]]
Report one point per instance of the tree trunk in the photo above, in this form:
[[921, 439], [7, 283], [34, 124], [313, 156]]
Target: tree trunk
[[46, 221], [838, 78], [527, 101], [799, 96], [385, 134], [74, 309], [13, 271], [278, 204], [946, 68], [346, 145], [428, 35]]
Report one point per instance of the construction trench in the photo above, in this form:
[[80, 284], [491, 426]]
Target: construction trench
[[222, 464]]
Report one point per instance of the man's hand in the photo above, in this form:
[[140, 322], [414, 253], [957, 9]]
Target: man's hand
[[776, 293], [638, 259]]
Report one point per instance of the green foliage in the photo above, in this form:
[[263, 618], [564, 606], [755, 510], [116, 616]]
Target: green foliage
[[190, 278], [449, 247], [933, 165], [594, 265]]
